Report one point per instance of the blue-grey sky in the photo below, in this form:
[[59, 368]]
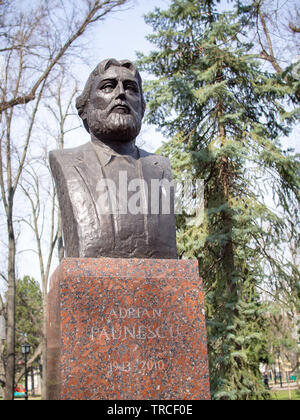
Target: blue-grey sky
[[123, 33]]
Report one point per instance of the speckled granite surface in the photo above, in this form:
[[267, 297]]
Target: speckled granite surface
[[126, 329]]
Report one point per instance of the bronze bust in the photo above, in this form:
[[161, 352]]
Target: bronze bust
[[110, 191]]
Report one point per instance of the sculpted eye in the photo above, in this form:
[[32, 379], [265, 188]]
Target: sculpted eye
[[132, 86], [107, 87]]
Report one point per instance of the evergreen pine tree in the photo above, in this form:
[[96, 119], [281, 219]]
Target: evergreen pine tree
[[223, 115]]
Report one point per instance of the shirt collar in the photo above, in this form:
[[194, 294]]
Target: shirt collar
[[105, 154]]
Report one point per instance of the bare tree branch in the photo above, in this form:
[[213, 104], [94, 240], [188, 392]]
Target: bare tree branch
[[294, 28], [269, 56], [4, 277], [97, 11]]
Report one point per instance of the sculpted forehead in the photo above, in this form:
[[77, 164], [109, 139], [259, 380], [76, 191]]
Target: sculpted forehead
[[118, 73]]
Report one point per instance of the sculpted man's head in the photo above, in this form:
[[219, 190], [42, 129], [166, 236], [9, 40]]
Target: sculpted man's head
[[112, 105]]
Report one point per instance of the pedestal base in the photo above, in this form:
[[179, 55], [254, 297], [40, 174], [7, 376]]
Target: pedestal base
[[126, 329]]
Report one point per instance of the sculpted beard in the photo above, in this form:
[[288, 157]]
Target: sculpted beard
[[114, 126]]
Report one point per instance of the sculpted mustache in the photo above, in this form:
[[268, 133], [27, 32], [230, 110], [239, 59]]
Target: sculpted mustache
[[120, 103]]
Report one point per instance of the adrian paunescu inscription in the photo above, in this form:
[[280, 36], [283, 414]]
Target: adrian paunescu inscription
[[137, 330], [135, 313]]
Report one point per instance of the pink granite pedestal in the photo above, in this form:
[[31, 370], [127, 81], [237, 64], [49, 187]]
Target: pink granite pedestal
[[126, 329]]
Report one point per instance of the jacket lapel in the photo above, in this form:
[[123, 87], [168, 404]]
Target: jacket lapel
[[90, 171], [151, 166], [88, 168]]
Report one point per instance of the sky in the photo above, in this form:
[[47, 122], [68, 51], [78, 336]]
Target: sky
[[123, 33]]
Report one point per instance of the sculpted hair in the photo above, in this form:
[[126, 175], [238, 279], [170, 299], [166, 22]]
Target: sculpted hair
[[82, 100]]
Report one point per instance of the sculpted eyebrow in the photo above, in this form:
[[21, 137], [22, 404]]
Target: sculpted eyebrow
[[107, 80], [131, 82], [114, 80]]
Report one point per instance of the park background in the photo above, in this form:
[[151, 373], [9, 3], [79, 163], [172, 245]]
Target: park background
[[259, 334]]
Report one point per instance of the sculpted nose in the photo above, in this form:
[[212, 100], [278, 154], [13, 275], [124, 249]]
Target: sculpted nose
[[121, 91]]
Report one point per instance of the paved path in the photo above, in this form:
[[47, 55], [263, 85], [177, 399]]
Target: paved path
[[277, 387]]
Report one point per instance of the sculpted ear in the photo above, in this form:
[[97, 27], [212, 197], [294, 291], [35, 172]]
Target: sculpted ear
[[82, 105], [143, 107], [86, 126], [83, 115]]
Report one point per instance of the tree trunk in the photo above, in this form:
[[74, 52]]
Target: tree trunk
[[44, 346], [2, 371], [224, 176], [60, 243], [11, 304]]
